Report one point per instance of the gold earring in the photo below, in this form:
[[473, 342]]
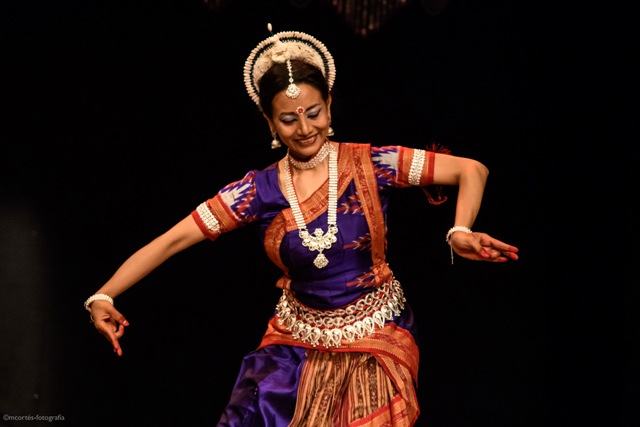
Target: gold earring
[[275, 143], [330, 132]]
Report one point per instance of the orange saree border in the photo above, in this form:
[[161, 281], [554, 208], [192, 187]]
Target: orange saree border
[[395, 350], [390, 341], [367, 187]]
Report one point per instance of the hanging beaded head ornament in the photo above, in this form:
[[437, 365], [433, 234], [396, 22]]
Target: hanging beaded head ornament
[[282, 48]]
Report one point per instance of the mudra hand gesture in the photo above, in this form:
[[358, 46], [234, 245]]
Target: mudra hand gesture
[[482, 247], [109, 322]]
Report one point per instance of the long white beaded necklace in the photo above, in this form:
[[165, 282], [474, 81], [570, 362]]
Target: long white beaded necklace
[[319, 241]]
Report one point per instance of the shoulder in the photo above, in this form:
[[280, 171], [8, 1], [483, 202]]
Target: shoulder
[[364, 147], [352, 146], [376, 153]]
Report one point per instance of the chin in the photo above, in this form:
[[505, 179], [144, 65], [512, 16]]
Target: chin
[[311, 145], [315, 140], [304, 150]]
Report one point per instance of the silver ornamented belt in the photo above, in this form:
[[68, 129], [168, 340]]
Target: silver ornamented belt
[[329, 327]]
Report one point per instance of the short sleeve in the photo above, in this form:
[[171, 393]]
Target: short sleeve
[[234, 206], [401, 167]]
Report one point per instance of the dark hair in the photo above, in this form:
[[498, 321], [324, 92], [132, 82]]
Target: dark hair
[[276, 79]]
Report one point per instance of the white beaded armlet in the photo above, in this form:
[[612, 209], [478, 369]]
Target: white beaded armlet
[[417, 163]]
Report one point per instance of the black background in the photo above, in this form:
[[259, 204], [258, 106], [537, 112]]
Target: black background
[[119, 118]]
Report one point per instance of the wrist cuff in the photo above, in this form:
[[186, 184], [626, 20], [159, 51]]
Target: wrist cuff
[[450, 234], [95, 297]]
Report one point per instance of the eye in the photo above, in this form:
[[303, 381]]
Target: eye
[[314, 112], [288, 120]]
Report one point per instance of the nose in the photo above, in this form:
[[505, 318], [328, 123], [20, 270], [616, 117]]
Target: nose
[[304, 127]]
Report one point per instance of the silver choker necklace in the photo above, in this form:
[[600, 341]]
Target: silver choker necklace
[[315, 161], [319, 241]]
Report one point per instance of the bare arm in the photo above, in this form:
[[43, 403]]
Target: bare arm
[[470, 176], [107, 320]]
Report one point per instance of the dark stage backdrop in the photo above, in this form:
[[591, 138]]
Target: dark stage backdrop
[[119, 118]]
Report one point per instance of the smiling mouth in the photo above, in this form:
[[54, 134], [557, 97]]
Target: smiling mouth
[[307, 141]]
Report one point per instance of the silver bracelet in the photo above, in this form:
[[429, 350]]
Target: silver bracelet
[[92, 298], [450, 234]]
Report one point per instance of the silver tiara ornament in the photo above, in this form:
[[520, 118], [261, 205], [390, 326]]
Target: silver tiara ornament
[[282, 48]]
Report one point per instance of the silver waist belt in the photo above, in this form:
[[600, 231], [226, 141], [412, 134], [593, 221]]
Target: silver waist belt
[[329, 327]]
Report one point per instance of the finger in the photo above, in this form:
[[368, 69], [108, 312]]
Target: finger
[[109, 328], [503, 247], [116, 347], [514, 256], [507, 250], [113, 336], [492, 255], [110, 335], [119, 332], [478, 247], [487, 240], [506, 256], [495, 255], [113, 322], [118, 317]]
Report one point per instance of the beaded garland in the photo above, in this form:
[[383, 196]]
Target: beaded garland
[[319, 241]]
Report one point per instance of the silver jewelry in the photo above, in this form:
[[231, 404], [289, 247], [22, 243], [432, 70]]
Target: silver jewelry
[[450, 234], [315, 161], [274, 142], [319, 241], [292, 90], [330, 327], [330, 132]]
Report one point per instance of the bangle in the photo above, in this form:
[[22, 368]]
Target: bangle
[[450, 234], [454, 229], [92, 298]]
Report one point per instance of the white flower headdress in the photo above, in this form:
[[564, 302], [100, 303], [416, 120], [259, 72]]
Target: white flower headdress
[[281, 48]]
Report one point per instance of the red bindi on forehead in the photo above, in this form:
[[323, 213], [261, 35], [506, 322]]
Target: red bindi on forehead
[[300, 110]]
